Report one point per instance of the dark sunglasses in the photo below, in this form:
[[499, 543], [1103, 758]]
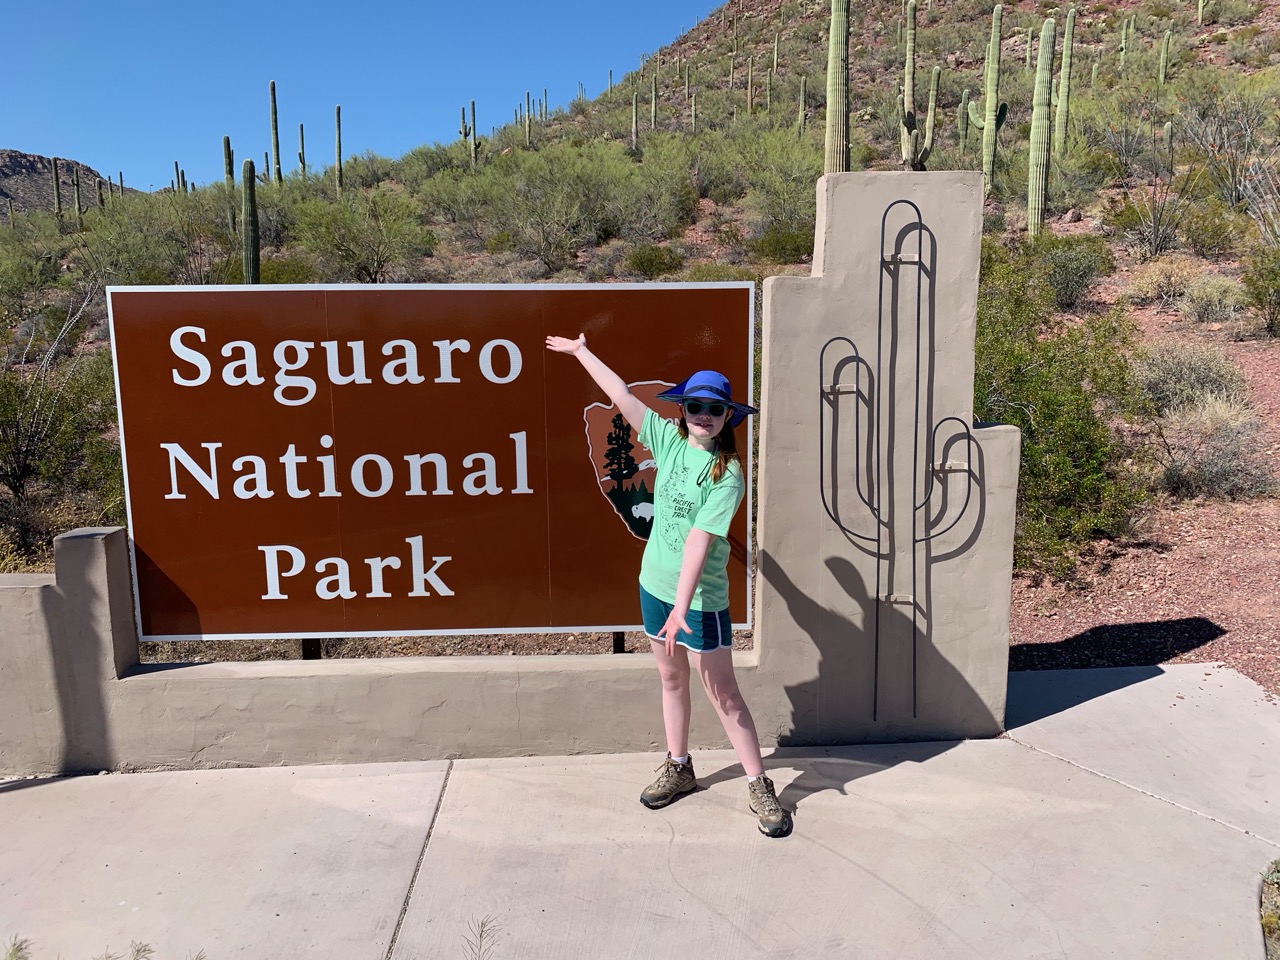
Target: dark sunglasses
[[695, 407]]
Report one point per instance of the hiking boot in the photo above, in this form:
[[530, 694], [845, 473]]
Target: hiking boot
[[673, 780], [774, 821]]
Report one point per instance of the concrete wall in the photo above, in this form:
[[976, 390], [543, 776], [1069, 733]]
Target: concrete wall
[[73, 696]]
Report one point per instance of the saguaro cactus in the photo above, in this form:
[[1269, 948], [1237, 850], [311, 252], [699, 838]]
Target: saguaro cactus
[[302, 151], [75, 186], [250, 256], [994, 112], [836, 157], [1031, 37], [653, 102], [804, 81], [1063, 100], [1038, 169], [229, 176], [962, 121], [475, 139], [1164, 57], [57, 191], [337, 167], [914, 152], [275, 137], [635, 121], [693, 113]]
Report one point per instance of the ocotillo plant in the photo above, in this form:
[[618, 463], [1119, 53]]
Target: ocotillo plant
[[229, 175], [836, 155], [994, 113], [962, 122], [1038, 161], [275, 137], [1063, 100], [337, 167], [250, 256], [57, 191], [1164, 57], [915, 153]]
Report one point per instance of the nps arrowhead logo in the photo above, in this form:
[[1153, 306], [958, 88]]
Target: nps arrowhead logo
[[623, 468]]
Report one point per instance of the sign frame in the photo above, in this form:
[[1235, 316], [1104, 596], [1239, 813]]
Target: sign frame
[[746, 446]]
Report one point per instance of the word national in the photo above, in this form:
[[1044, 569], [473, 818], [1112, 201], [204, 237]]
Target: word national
[[369, 475], [242, 368]]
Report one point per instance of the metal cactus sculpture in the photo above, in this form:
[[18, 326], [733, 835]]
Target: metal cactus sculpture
[[1038, 162], [275, 137], [1063, 100], [250, 255], [836, 155], [994, 112]]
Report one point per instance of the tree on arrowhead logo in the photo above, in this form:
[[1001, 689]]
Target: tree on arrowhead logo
[[623, 468]]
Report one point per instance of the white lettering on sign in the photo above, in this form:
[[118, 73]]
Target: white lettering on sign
[[498, 361], [424, 581], [369, 475]]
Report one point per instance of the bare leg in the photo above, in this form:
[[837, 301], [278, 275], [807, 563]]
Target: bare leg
[[716, 670], [674, 671]]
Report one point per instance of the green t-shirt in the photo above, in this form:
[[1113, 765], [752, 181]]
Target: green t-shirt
[[685, 498]]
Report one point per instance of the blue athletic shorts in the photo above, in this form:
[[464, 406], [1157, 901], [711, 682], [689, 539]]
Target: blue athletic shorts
[[710, 631]]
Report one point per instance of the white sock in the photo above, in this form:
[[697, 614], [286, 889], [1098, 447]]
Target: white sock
[[684, 759], [755, 778]]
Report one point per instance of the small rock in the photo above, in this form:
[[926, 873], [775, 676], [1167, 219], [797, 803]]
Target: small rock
[[1071, 216], [1215, 326]]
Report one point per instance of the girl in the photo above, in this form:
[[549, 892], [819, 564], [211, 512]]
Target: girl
[[684, 591]]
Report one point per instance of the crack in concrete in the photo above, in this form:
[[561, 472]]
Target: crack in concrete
[[1147, 793], [422, 855]]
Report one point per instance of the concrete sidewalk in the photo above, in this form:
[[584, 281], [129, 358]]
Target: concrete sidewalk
[[1129, 813]]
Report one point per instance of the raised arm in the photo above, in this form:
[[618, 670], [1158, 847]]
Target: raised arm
[[631, 406]]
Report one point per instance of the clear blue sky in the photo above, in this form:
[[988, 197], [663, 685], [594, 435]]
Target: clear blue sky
[[134, 86]]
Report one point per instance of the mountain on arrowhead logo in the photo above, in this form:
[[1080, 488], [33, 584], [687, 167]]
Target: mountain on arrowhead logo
[[623, 469]]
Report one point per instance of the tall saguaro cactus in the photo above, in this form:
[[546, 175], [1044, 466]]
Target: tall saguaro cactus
[[249, 252], [635, 121], [229, 176], [1063, 101], [75, 187], [57, 191], [804, 96], [962, 122], [337, 149], [994, 112], [1164, 57], [1038, 169], [275, 137], [914, 153], [836, 156], [302, 151]]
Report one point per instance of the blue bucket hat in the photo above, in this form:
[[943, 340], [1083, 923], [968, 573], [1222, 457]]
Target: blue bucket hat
[[712, 386]]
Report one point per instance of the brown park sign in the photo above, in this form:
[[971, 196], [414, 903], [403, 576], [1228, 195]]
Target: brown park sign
[[352, 460]]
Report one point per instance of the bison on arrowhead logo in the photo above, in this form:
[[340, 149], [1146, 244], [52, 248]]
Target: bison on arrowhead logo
[[623, 469]]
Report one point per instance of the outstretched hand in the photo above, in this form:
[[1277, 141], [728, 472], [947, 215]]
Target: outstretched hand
[[565, 345]]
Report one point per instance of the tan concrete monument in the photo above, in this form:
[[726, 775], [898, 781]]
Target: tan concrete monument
[[886, 533], [882, 572]]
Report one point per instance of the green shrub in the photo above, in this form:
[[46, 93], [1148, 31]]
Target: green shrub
[[1262, 285], [1212, 228], [1163, 281], [1074, 264], [1176, 375], [718, 273], [779, 244], [1212, 299], [367, 235], [1210, 449], [650, 261], [1062, 385]]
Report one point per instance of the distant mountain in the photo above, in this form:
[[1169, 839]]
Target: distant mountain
[[27, 180]]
